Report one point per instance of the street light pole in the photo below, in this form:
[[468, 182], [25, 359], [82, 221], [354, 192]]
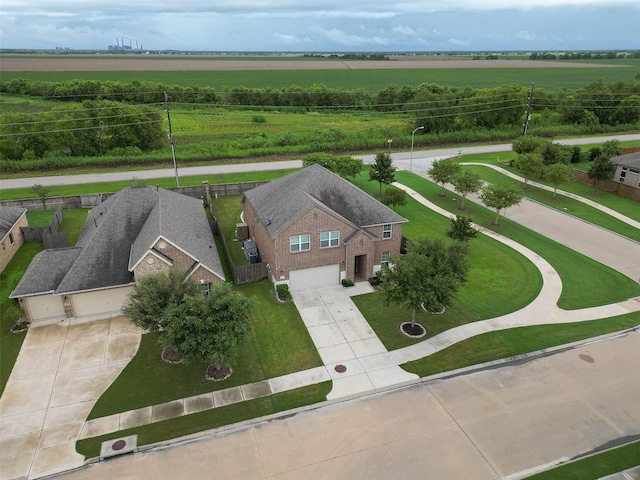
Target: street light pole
[[412, 134]]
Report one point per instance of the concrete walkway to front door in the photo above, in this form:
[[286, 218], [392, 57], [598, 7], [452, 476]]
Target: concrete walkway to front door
[[355, 358]]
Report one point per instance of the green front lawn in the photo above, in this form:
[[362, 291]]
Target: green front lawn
[[227, 211], [278, 344], [516, 341], [10, 343], [585, 282]]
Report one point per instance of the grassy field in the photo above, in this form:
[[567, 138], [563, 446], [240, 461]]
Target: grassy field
[[551, 79]]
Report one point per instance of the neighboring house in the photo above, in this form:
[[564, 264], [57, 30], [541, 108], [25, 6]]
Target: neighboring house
[[627, 169], [137, 231], [314, 228], [11, 219]]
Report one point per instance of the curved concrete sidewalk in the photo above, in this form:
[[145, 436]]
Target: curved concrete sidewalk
[[543, 310]]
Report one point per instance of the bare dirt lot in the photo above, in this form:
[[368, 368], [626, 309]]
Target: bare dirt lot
[[33, 63]]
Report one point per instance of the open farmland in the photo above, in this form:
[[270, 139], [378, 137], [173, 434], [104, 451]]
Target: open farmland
[[276, 72]]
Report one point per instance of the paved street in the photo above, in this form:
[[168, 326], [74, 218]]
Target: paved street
[[498, 423]]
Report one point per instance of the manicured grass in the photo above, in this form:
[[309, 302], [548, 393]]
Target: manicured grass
[[214, 418], [595, 466], [517, 341], [72, 223], [565, 204], [278, 344], [227, 210], [39, 218], [10, 343], [169, 182], [586, 283]]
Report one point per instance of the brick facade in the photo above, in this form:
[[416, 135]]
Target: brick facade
[[368, 244], [12, 242]]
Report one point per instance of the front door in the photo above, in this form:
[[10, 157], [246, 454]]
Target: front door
[[360, 268]]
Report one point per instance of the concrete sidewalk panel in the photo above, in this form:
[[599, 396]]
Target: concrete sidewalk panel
[[227, 396], [15, 446], [467, 330], [353, 367], [300, 379], [100, 426], [135, 418], [356, 329], [307, 298], [22, 423], [78, 412], [83, 353], [387, 377], [60, 458], [26, 395], [368, 347], [82, 385], [256, 390], [326, 335], [344, 309], [377, 362], [51, 437], [167, 410], [17, 466], [198, 403], [332, 294], [315, 316], [336, 353], [348, 386], [37, 361]]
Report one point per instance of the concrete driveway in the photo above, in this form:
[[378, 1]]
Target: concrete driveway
[[355, 358], [60, 373]]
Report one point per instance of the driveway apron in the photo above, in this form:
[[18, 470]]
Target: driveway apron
[[60, 373], [354, 356]]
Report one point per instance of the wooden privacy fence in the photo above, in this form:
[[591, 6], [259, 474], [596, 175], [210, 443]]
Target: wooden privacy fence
[[48, 235], [609, 185]]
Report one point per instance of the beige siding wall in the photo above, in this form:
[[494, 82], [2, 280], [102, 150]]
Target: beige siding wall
[[9, 249], [43, 308]]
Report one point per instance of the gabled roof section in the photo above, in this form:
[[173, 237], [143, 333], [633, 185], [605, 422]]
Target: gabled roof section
[[629, 160], [182, 221], [46, 271], [8, 218], [281, 202]]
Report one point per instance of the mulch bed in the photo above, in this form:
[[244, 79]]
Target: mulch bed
[[217, 374], [171, 355], [20, 327], [413, 330]]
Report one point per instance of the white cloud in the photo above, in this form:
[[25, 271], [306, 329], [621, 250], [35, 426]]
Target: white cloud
[[524, 35], [345, 39], [458, 43], [291, 39], [404, 30]]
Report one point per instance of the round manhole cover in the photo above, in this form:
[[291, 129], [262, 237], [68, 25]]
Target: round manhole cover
[[340, 368], [118, 445]]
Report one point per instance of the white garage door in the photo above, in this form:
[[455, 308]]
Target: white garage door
[[101, 303], [45, 307], [314, 277]]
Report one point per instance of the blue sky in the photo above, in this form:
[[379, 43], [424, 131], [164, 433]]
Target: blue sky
[[323, 25]]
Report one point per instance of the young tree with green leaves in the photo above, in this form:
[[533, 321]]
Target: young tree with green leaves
[[209, 328], [461, 229], [529, 164], [465, 183], [151, 296], [344, 165], [394, 196], [557, 174], [382, 170], [601, 169], [443, 171], [501, 195], [428, 276]]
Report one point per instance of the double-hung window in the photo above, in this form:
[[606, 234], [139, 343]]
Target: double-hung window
[[329, 239], [386, 231], [384, 259], [299, 243]]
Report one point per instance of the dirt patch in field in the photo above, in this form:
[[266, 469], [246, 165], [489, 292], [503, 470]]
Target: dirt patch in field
[[165, 63]]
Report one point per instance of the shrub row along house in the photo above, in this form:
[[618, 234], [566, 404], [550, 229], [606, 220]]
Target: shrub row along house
[[314, 228], [137, 231]]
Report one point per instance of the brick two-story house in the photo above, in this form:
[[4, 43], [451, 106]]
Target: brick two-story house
[[137, 231], [627, 169], [11, 219], [314, 228]]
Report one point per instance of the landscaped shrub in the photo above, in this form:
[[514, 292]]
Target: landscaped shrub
[[282, 290], [347, 283]]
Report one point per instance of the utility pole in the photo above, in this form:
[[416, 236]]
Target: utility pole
[[173, 148], [529, 106]]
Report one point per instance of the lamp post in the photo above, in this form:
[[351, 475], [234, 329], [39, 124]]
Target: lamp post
[[412, 134]]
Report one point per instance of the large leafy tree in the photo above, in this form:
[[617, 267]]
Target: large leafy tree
[[344, 165], [209, 328], [382, 170], [443, 171], [427, 276], [394, 196], [462, 229], [152, 294], [557, 174], [498, 196], [601, 169], [529, 164], [465, 183]]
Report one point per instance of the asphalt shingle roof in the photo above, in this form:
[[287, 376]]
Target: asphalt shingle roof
[[281, 202], [8, 218], [631, 160], [124, 225]]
